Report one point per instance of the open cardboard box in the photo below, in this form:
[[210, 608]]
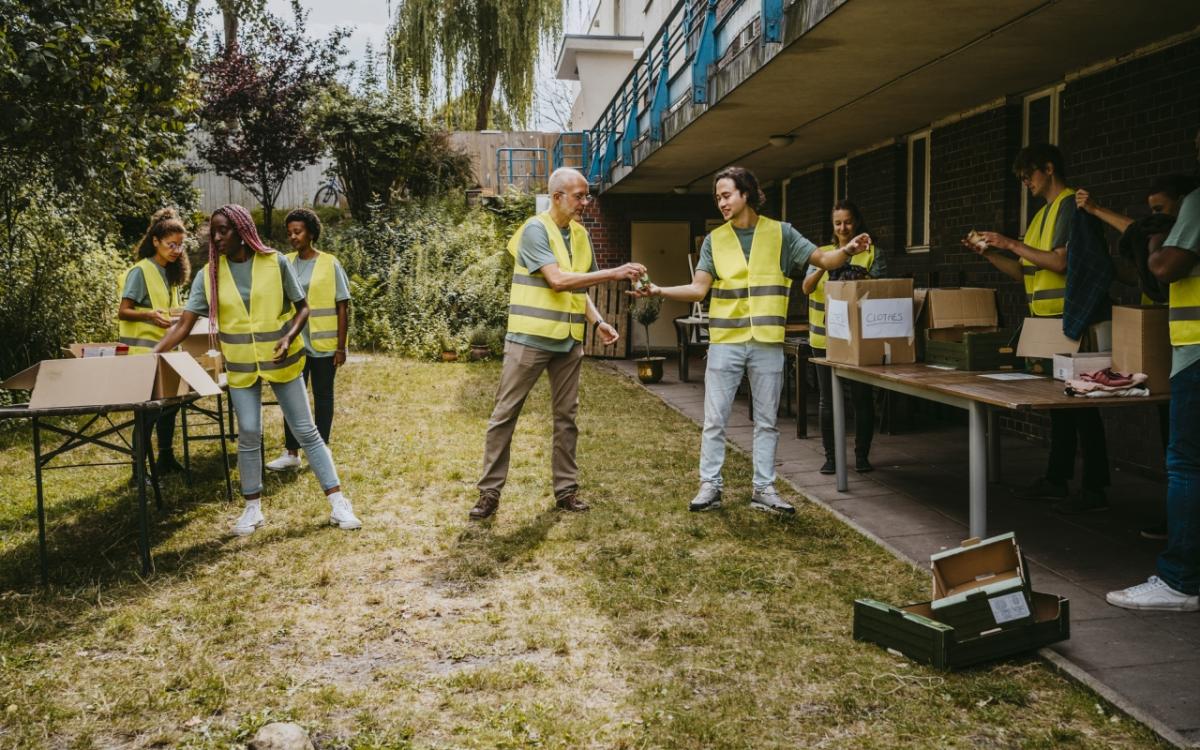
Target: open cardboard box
[[1072, 366], [982, 585], [112, 381], [1142, 343], [870, 322]]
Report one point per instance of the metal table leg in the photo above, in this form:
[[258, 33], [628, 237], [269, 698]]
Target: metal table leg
[[979, 470], [801, 391], [41, 506], [139, 462], [224, 449], [187, 455], [993, 440], [839, 431]]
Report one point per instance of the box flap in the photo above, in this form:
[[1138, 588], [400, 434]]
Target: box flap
[[969, 306], [191, 372], [23, 380], [1043, 337], [94, 381]]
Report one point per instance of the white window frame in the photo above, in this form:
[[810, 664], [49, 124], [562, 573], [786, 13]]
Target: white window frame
[[843, 162], [1055, 94], [925, 135]]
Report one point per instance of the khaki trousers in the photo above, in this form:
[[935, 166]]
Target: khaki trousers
[[523, 366]]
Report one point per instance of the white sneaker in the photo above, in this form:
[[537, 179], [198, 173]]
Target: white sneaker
[[286, 462], [252, 518], [342, 515], [1154, 594], [768, 499]]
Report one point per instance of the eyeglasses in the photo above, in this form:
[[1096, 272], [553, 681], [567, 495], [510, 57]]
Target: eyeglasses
[[580, 197], [1026, 177], [175, 245]]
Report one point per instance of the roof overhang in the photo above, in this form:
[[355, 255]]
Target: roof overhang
[[867, 72], [573, 44]]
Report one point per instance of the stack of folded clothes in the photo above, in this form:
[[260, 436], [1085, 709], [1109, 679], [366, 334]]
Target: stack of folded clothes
[[1108, 384]]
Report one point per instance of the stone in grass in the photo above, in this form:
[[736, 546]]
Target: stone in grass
[[281, 735]]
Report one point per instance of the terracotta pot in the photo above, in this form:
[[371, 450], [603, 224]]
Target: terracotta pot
[[650, 369], [450, 356]]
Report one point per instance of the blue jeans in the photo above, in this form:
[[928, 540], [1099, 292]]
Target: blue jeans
[[1179, 564], [727, 364], [293, 401]]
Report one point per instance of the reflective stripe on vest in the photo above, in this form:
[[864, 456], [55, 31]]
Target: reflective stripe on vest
[[1184, 311], [816, 300], [322, 326], [749, 298], [248, 337], [141, 336], [533, 307], [1044, 290]]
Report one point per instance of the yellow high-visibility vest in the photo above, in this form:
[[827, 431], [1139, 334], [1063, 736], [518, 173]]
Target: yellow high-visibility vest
[[139, 335], [816, 300], [1045, 290], [536, 309], [248, 337], [1184, 312], [749, 298], [322, 323]]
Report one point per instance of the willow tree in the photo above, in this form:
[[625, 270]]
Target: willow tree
[[471, 47]]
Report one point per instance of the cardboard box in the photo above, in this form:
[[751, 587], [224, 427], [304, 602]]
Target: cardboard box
[[1072, 366], [96, 349], [914, 631], [1043, 338], [965, 307], [870, 322], [115, 381], [1142, 343], [981, 586]]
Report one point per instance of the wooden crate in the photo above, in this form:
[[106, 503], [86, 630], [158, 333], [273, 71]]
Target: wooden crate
[[612, 302]]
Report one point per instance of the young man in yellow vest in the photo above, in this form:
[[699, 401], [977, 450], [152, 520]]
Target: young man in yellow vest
[[1177, 585], [1041, 265], [748, 263], [548, 310]]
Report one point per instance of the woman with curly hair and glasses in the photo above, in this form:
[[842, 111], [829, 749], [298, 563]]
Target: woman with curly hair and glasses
[[252, 294], [149, 292]]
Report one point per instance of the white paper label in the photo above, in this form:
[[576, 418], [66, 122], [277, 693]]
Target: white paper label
[[1009, 607], [887, 318], [837, 319]]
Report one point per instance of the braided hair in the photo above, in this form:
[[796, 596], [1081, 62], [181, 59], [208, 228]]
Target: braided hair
[[243, 224]]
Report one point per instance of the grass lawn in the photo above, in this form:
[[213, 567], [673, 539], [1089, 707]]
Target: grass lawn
[[637, 625]]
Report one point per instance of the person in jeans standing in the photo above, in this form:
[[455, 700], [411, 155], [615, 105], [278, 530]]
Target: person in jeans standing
[[328, 292], [547, 312], [847, 222], [748, 263]]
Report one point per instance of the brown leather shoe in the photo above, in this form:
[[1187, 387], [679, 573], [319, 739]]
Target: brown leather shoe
[[569, 501], [489, 501]]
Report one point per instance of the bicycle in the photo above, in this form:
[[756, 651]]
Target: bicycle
[[329, 193]]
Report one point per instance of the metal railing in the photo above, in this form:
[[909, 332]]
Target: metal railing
[[525, 168], [571, 150], [675, 67]]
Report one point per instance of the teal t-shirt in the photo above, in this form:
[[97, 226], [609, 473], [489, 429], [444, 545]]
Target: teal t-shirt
[[793, 257], [1186, 235], [135, 286], [341, 292], [292, 291], [533, 253]]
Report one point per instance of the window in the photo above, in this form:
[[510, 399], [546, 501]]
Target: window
[[1039, 124], [918, 192], [839, 180]]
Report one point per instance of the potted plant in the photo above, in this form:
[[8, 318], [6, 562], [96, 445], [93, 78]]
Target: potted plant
[[449, 349], [480, 340], [645, 311]]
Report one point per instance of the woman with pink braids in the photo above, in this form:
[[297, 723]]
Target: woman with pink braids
[[250, 292]]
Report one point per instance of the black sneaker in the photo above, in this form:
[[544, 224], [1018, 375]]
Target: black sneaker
[[1084, 501], [1043, 489], [1157, 531], [862, 465], [829, 467], [167, 464]]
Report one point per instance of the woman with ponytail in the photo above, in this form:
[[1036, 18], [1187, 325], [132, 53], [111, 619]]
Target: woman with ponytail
[[149, 293], [251, 293]]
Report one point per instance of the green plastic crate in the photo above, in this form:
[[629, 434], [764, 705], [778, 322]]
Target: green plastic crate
[[913, 632], [971, 348]]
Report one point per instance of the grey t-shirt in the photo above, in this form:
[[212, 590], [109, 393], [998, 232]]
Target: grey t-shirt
[[1186, 235], [242, 272], [1062, 222], [793, 257], [533, 253], [877, 269], [341, 291], [135, 286]]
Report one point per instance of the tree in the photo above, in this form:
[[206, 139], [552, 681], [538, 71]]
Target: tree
[[257, 100], [475, 46], [384, 150]]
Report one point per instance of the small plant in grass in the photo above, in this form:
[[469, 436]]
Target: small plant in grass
[[480, 340], [449, 348], [645, 311]]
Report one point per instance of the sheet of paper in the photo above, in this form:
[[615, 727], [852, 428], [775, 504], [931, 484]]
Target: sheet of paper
[[887, 318], [837, 319], [1012, 376]]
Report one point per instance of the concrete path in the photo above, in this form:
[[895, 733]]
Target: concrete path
[[915, 503]]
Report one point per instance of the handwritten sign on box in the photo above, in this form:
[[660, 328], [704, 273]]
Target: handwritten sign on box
[[837, 319], [886, 318]]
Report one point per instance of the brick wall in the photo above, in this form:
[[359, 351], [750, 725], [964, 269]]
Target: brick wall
[[875, 183]]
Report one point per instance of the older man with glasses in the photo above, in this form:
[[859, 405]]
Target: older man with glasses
[[548, 310]]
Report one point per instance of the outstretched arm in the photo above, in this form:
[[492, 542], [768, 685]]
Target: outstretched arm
[[693, 292], [569, 281]]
